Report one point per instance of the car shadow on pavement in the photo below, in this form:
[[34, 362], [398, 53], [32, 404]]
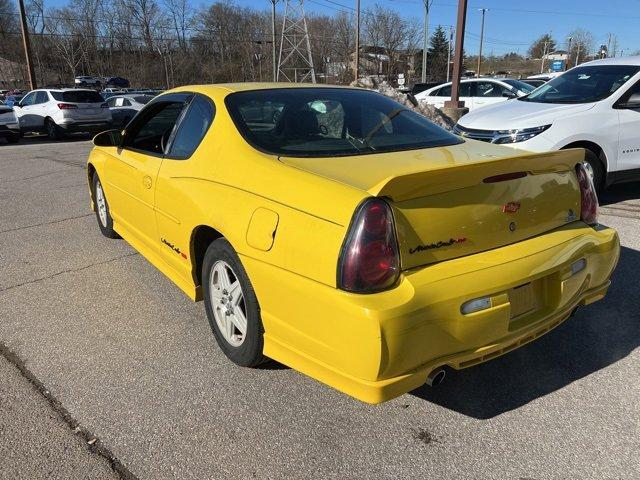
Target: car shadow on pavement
[[43, 139], [620, 193], [596, 337]]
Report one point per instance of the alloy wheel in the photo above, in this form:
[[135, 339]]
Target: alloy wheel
[[227, 301]]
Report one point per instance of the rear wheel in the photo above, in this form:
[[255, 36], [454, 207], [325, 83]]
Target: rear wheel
[[231, 305], [103, 215]]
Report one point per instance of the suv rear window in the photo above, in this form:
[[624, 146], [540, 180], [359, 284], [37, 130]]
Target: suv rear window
[[78, 96], [326, 122]]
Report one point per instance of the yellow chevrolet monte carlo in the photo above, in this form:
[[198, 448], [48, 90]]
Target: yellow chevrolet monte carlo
[[344, 235]]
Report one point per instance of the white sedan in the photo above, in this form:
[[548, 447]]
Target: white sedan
[[477, 92]]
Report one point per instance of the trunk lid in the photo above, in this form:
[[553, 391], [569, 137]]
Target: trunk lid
[[442, 204]]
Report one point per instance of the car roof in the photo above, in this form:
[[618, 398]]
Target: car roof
[[614, 61], [245, 86]]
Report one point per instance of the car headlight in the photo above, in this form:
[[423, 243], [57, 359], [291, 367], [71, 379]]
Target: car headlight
[[518, 135]]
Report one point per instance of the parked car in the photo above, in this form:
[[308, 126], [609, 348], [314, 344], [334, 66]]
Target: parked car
[[421, 87], [86, 81], [595, 106], [60, 111], [12, 100], [124, 107], [477, 92], [350, 238], [117, 82], [9, 128]]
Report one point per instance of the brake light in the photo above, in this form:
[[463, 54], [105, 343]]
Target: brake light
[[104, 105], [370, 261], [588, 197], [66, 106]]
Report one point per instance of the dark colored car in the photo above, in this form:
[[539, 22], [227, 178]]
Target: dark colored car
[[118, 82]]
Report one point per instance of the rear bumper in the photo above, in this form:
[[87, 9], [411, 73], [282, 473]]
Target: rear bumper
[[11, 130], [376, 347], [85, 126]]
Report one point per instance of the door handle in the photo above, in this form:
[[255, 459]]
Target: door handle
[[146, 181]]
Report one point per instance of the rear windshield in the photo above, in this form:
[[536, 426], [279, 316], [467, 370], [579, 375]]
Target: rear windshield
[[325, 122], [78, 96]]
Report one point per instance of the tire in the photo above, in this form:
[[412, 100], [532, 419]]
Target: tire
[[101, 207], [230, 304], [595, 166], [53, 131]]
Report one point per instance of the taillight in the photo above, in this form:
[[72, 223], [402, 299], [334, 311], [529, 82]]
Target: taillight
[[66, 106], [370, 261], [588, 197], [104, 105]]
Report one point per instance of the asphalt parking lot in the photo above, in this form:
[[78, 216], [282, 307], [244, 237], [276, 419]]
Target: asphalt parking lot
[[133, 361]]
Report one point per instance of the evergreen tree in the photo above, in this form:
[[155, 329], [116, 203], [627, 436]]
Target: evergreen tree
[[537, 49], [437, 55]]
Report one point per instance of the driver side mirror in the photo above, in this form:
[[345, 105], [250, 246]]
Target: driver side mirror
[[509, 94], [632, 102], [110, 138]]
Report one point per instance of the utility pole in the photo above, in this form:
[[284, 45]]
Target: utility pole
[[577, 53], [454, 107], [27, 45], [273, 40], [609, 45], [449, 53], [569, 39], [425, 39], [357, 57], [483, 10]]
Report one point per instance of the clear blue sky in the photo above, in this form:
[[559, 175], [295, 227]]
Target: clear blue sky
[[510, 25]]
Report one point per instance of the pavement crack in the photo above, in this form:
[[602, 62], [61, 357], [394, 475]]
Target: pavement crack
[[92, 441], [70, 270], [34, 176], [45, 223]]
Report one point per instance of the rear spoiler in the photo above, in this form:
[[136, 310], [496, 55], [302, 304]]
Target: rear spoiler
[[449, 178]]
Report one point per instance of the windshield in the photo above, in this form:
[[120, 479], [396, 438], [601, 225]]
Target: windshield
[[583, 84], [324, 122], [523, 87]]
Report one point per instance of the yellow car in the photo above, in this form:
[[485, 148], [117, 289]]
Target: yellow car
[[339, 233]]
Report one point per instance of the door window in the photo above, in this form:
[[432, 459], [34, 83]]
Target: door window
[[490, 89], [151, 131], [193, 128], [41, 97], [29, 99], [465, 90]]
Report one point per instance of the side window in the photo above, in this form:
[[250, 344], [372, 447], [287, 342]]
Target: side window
[[489, 89], [329, 116], [443, 92], [193, 128], [151, 130], [126, 102], [41, 97], [465, 89], [111, 102], [29, 99]]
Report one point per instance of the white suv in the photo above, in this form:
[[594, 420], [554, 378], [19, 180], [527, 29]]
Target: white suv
[[58, 111], [595, 106], [86, 81]]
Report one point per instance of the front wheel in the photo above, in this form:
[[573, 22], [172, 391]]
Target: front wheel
[[53, 131], [595, 169], [231, 305]]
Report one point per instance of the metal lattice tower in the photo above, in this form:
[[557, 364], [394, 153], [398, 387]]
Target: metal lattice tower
[[295, 63]]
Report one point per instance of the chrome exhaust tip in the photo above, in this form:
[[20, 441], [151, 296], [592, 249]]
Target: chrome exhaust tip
[[436, 377]]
